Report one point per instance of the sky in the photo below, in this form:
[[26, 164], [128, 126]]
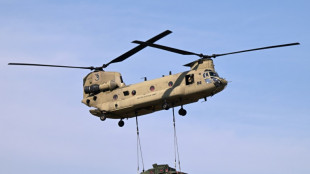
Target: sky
[[259, 124]]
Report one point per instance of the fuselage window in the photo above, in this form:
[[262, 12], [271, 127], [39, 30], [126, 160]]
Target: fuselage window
[[152, 88], [170, 84], [126, 93], [133, 92], [115, 97]]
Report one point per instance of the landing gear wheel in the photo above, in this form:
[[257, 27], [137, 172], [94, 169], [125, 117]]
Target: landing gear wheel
[[121, 123], [182, 112], [166, 106], [103, 117]]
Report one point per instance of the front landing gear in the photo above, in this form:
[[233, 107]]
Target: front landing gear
[[182, 111], [121, 123]]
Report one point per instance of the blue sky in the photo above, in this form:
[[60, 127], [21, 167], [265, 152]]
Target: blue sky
[[258, 124]]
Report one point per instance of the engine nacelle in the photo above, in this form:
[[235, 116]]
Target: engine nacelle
[[96, 88]]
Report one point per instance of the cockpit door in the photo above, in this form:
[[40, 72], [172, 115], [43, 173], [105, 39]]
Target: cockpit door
[[206, 77]]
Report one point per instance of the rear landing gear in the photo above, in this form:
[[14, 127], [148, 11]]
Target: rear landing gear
[[166, 106], [121, 123], [182, 111], [103, 117]]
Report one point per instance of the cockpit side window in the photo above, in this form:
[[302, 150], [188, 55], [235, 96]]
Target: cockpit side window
[[205, 75]]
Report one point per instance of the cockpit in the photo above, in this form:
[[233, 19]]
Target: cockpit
[[211, 77], [209, 73]]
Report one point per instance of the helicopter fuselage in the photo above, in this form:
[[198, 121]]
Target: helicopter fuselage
[[119, 101]]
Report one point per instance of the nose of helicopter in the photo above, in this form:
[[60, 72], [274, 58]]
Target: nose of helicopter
[[223, 82], [220, 83]]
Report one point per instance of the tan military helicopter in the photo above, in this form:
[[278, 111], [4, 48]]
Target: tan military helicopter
[[111, 98]]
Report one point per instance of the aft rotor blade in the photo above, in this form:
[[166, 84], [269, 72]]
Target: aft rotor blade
[[59, 66], [175, 50], [138, 48], [255, 49]]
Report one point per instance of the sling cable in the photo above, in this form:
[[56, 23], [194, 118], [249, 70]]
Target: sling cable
[[176, 147], [139, 149]]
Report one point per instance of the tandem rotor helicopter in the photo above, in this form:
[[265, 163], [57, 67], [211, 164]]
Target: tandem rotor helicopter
[[109, 97]]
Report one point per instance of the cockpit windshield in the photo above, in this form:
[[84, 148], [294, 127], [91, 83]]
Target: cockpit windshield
[[213, 74]]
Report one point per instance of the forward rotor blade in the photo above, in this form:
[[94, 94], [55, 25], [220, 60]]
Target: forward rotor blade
[[59, 66], [255, 49], [138, 48], [175, 50], [183, 52]]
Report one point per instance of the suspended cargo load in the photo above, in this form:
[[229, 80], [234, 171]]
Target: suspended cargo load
[[162, 169]]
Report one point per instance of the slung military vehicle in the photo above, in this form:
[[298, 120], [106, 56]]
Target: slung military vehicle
[[162, 169], [110, 98]]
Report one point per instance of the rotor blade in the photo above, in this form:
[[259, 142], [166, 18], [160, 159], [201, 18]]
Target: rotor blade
[[255, 49], [138, 48], [60, 66], [175, 50]]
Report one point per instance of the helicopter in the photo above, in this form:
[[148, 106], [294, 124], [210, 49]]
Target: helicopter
[[108, 96]]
